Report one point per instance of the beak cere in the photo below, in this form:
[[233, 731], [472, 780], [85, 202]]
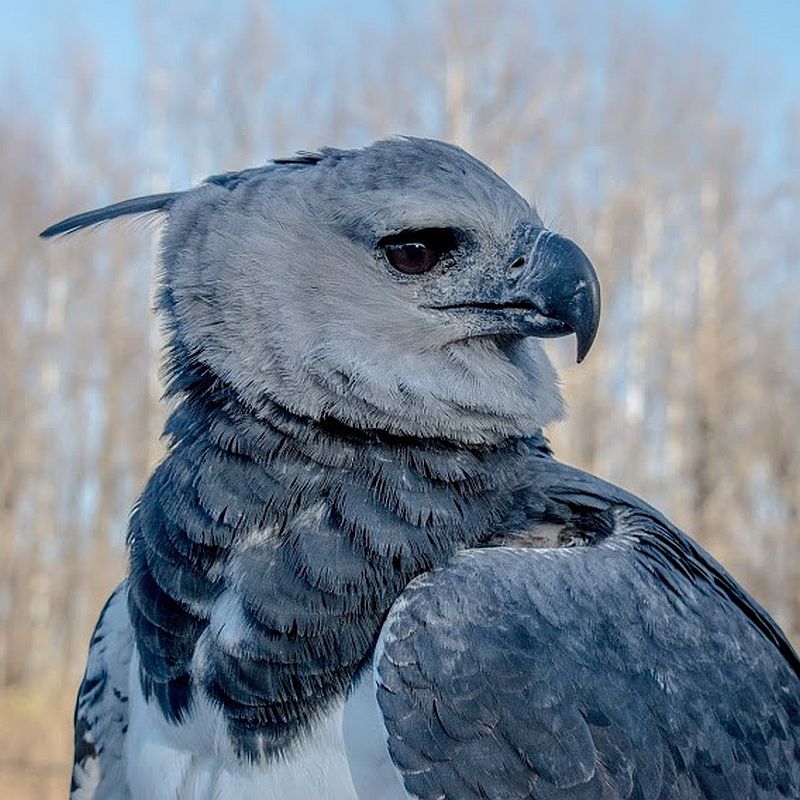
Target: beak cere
[[560, 286]]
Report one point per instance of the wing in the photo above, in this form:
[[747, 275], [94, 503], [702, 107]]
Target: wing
[[101, 712], [624, 668]]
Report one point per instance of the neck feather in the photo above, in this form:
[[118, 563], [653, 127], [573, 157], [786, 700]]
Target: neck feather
[[266, 551]]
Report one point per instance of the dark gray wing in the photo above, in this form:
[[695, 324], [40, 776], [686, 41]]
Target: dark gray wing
[[101, 712], [619, 669]]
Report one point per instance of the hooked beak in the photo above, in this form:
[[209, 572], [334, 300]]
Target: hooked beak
[[549, 289], [563, 287]]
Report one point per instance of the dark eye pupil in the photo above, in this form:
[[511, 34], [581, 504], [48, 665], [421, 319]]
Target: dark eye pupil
[[416, 251], [413, 258]]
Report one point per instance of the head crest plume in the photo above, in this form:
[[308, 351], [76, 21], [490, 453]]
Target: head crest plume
[[161, 202], [136, 205]]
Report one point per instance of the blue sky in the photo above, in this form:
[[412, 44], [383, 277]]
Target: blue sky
[[759, 40], [767, 31]]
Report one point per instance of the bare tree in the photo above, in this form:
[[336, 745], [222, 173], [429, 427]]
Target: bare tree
[[619, 131]]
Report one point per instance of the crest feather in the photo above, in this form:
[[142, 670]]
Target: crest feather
[[136, 205]]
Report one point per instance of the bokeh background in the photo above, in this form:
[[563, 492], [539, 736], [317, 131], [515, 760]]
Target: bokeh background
[[663, 136]]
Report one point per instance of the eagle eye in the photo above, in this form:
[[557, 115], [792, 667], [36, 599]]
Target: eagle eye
[[416, 252]]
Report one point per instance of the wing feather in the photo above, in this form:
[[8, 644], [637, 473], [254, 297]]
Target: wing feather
[[578, 673], [101, 711]]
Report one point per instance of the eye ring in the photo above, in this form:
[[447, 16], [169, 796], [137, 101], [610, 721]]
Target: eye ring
[[416, 252]]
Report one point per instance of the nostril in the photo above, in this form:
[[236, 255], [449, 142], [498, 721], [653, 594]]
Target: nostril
[[515, 267]]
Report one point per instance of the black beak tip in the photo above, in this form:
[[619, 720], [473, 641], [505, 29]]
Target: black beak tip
[[587, 323], [584, 345], [583, 314]]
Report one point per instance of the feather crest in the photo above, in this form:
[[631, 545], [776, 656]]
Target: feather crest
[[136, 205]]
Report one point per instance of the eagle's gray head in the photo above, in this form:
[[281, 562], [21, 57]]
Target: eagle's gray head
[[401, 288]]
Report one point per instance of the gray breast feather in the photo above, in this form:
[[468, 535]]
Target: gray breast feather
[[101, 713], [576, 674]]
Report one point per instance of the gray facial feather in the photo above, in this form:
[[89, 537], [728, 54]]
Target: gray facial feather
[[276, 285]]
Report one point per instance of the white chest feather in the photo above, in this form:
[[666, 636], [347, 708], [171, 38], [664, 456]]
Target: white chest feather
[[194, 760]]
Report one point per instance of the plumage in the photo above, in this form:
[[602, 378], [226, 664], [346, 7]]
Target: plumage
[[607, 679], [137, 205], [359, 572]]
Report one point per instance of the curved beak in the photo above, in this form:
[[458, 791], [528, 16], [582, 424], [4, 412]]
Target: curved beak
[[548, 289], [560, 283]]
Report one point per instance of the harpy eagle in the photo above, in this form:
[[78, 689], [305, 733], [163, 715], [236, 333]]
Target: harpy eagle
[[359, 572]]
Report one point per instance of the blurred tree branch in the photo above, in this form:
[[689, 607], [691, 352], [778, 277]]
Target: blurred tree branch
[[626, 138]]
